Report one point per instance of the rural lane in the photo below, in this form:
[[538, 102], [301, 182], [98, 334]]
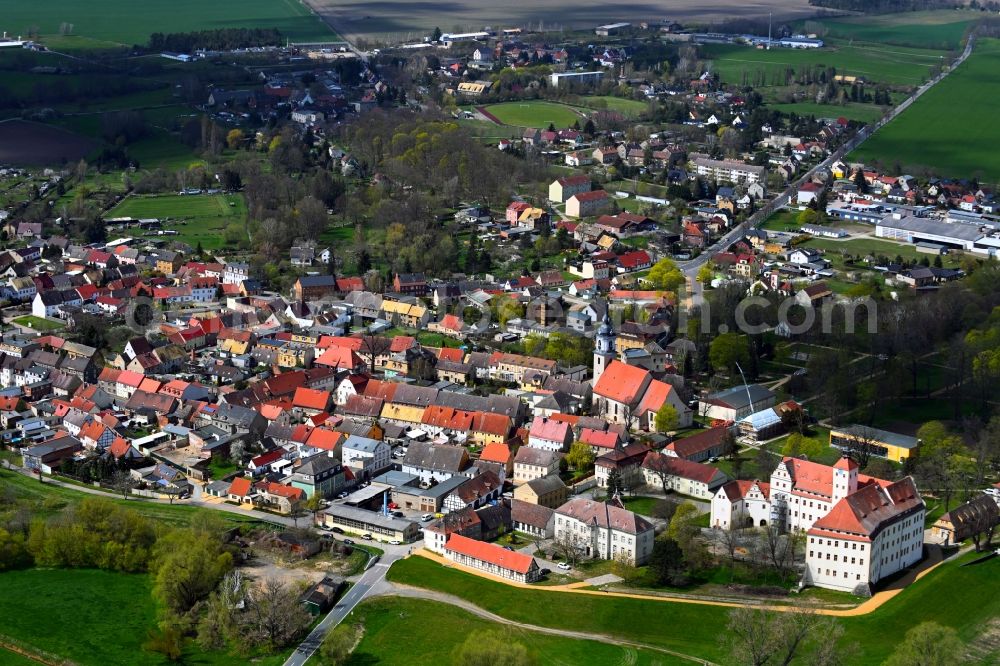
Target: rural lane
[[690, 268]]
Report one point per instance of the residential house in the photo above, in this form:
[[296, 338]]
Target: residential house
[[604, 531], [549, 491]]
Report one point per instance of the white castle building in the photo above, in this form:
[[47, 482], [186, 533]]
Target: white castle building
[[859, 529]]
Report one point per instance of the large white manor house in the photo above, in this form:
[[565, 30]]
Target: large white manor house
[[859, 529]]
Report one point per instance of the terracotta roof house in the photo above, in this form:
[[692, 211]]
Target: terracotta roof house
[[491, 559]]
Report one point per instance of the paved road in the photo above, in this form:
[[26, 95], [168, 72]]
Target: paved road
[[690, 268], [371, 582]]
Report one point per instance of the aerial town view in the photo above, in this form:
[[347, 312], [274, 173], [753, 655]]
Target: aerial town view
[[338, 332]]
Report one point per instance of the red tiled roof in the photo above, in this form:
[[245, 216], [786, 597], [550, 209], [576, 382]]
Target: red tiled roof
[[621, 382], [691, 446], [490, 553], [547, 429], [311, 398], [738, 489], [240, 486], [606, 440], [497, 452], [594, 195], [491, 424], [679, 467], [450, 354]]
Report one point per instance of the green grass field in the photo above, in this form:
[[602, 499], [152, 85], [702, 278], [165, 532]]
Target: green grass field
[[49, 609], [852, 111], [961, 597], [103, 22], [200, 218], [91, 618], [39, 324], [535, 114], [627, 107], [951, 130], [895, 65], [391, 622], [932, 29], [48, 499]]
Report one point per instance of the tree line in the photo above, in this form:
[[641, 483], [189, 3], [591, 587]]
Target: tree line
[[221, 39]]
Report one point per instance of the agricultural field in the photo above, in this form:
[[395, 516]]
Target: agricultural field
[[534, 114], [385, 21], [892, 65], [103, 23], [951, 130], [931, 29], [34, 144], [196, 218]]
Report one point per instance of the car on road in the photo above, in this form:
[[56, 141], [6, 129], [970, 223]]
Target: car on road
[[348, 542], [395, 542], [367, 537], [342, 495], [427, 516], [564, 566]]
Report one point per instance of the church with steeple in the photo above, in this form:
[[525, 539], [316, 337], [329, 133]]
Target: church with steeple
[[604, 347]]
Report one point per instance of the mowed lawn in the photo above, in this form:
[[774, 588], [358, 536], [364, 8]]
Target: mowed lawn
[[197, 218], [882, 63], [960, 597], [122, 22], [432, 631], [951, 130], [535, 114]]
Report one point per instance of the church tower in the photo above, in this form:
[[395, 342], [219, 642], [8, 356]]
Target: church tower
[[604, 347]]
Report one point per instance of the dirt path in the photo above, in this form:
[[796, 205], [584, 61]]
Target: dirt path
[[397, 590], [875, 602]]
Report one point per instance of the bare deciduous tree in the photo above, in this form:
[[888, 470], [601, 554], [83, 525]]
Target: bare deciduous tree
[[373, 346]]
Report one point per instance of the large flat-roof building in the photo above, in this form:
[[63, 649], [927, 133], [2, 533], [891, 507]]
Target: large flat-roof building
[[358, 521], [882, 443], [557, 79]]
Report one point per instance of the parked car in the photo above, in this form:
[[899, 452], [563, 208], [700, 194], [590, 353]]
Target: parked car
[[564, 566], [395, 542], [367, 537], [337, 530], [399, 514], [427, 516]]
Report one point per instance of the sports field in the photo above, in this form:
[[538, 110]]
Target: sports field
[[951, 130], [535, 114], [123, 22], [197, 218], [894, 65]]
